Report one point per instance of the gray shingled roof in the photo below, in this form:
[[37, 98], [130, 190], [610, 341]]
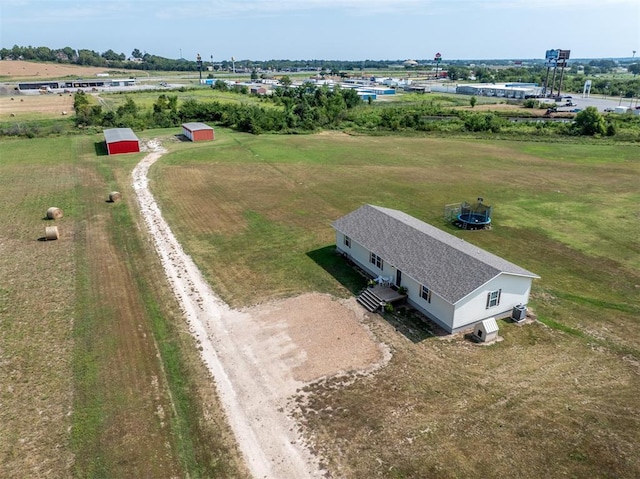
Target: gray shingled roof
[[449, 266], [195, 126], [119, 134]]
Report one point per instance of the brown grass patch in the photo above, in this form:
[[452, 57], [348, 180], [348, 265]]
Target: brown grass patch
[[29, 105], [37, 301], [536, 405], [36, 71]]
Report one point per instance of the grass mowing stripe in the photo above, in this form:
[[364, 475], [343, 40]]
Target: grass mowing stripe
[[622, 307], [195, 459], [88, 408], [563, 327]]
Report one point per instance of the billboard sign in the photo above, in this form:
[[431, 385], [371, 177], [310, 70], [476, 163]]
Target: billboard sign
[[552, 54], [563, 54]]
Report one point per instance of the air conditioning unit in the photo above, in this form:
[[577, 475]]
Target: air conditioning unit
[[519, 313]]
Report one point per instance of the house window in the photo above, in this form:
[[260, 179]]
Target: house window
[[347, 242], [425, 293], [493, 298], [377, 260]]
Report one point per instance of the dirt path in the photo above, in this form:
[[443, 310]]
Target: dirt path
[[260, 357]]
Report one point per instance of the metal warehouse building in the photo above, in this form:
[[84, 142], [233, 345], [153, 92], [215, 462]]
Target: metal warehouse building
[[505, 90], [198, 131], [121, 140]]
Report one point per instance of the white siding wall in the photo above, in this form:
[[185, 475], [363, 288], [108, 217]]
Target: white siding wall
[[360, 255], [473, 308], [187, 133], [438, 309]]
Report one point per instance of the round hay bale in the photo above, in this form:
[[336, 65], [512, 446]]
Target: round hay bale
[[54, 213], [114, 196], [51, 233]]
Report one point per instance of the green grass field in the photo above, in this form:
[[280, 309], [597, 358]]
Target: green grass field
[[554, 398]]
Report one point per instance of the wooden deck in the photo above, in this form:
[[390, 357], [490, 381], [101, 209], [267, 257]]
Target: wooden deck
[[386, 293]]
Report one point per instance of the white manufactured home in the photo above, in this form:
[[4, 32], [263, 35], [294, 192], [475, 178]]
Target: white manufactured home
[[451, 281]]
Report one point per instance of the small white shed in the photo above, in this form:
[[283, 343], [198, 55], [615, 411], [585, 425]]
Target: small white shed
[[486, 330]]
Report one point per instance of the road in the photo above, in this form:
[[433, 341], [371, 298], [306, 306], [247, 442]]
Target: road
[[253, 389]]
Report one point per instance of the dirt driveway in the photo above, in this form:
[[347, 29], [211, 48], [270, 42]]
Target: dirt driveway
[[261, 356]]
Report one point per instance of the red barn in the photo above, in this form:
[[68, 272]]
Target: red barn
[[198, 131], [121, 140]]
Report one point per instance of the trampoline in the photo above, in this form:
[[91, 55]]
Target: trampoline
[[476, 216]]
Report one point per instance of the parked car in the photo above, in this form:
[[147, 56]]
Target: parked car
[[608, 110], [575, 110]]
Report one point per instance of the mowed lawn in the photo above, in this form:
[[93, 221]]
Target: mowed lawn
[[555, 398], [98, 375]]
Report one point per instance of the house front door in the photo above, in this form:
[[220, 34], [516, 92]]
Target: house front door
[[398, 278]]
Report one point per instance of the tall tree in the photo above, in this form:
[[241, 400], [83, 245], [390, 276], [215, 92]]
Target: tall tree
[[285, 81]]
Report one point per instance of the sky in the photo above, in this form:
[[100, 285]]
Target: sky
[[328, 29]]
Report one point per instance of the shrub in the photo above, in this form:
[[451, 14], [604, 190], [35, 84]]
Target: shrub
[[590, 122]]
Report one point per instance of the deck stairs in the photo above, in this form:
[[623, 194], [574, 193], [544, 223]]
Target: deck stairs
[[369, 300]]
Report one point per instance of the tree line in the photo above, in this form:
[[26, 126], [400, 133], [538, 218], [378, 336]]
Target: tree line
[[147, 61], [308, 108], [493, 70], [304, 108]]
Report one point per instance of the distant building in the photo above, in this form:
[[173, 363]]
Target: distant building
[[99, 82], [366, 96], [503, 90], [258, 90]]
